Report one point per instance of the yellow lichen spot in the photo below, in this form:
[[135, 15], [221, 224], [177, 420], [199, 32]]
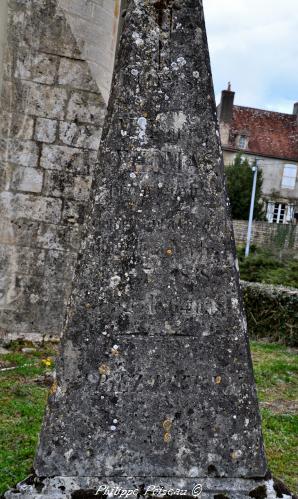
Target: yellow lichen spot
[[217, 380], [236, 454], [88, 305], [167, 425], [47, 362], [115, 352], [104, 369], [145, 114], [53, 388], [167, 437], [116, 9], [169, 252]]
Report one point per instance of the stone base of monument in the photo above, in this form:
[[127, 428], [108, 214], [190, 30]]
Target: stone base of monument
[[205, 488]]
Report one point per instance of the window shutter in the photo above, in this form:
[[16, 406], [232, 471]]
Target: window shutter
[[270, 211], [290, 213]]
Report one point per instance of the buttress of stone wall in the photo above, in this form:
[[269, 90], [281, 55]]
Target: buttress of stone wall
[[52, 113], [94, 23]]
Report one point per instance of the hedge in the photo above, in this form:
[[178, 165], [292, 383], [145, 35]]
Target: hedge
[[272, 312]]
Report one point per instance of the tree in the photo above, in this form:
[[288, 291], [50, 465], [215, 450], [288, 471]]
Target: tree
[[239, 178]]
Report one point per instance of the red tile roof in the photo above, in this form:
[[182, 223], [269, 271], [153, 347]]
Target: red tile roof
[[269, 133]]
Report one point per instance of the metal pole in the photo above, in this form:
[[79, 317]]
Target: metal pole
[[252, 205]]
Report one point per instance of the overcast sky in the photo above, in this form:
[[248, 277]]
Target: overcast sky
[[254, 44]]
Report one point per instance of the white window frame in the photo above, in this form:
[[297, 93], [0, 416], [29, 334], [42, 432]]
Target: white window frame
[[289, 177], [279, 217], [242, 141], [279, 220]]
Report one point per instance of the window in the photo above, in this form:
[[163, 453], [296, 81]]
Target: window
[[242, 141], [289, 177], [280, 213]]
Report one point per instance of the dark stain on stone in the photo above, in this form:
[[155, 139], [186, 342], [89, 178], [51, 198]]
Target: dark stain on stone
[[87, 494], [160, 6], [212, 471], [221, 496], [142, 490], [123, 322], [36, 481], [281, 489], [259, 493], [39, 485], [30, 480]]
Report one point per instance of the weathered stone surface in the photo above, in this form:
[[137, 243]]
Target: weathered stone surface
[[73, 212], [6, 169], [26, 179], [155, 378], [86, 108], [86, 136], [95, 26], [34, 97], [33, 207], [67, 185], [21, 232], [45, 130], [16, 126], [41, 68], [68, 159], [61, 238], [206, 488], [55, 34], [76, 74], [42, 100], [17, 151], [29, 259]]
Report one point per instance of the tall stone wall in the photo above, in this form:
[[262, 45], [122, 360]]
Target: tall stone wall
[[53, 105], [278, 236]]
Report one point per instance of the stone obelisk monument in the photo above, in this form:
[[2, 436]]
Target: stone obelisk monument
[[154, 380]]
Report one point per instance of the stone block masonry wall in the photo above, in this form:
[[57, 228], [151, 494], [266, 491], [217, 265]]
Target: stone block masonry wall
[[278, 236], [52, 112], [271, 312]]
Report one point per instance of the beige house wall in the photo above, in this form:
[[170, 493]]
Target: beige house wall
[[272, 177]]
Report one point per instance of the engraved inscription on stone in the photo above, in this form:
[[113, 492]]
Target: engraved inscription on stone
[[155, 376]]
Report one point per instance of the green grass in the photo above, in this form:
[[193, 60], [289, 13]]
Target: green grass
[[24, 393], [265, 267], [276, 374]]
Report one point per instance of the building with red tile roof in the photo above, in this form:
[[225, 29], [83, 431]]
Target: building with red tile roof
[[272, 138]]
